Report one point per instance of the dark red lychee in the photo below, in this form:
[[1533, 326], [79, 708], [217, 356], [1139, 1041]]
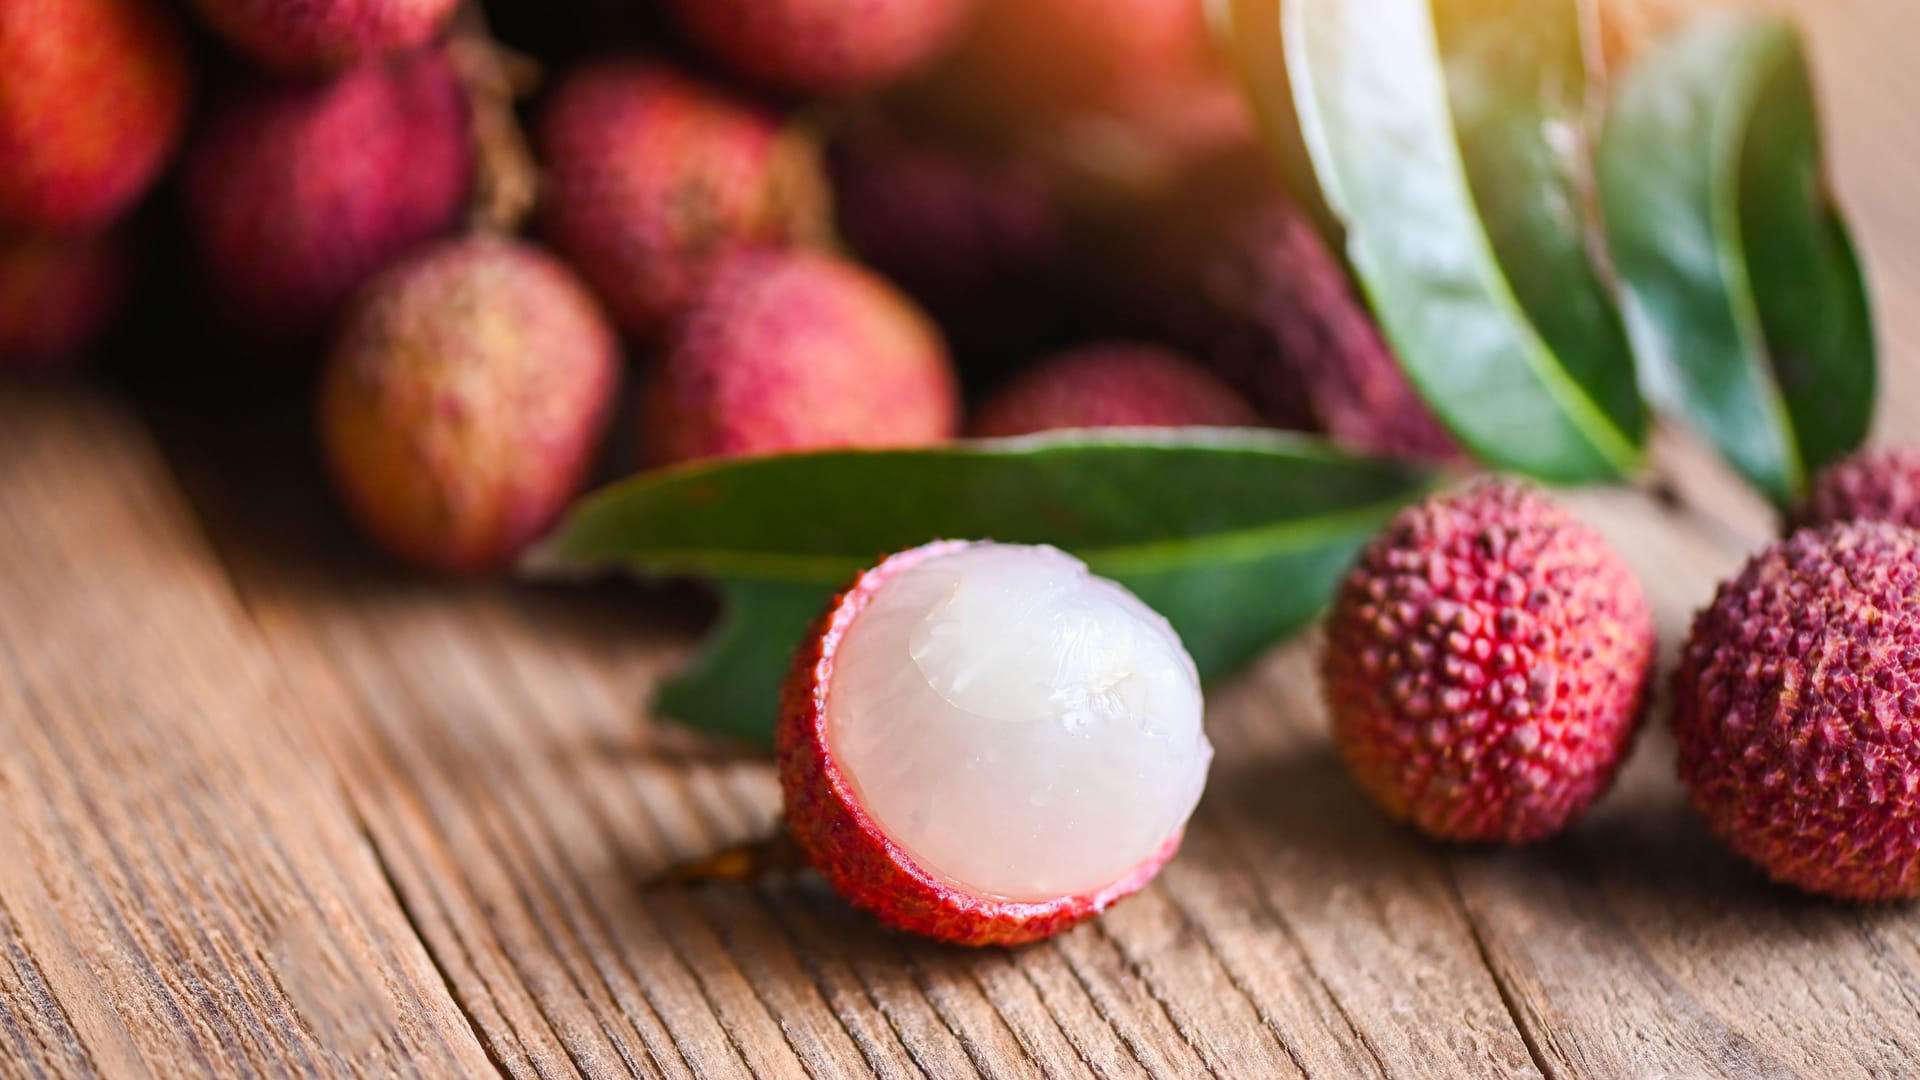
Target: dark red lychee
[[824, 46], [1486, 665], [93, 96], [1797, 711], [785, 351], [315, 36], [1114, 384], [296, 193], [652, 177], [1873, 485]]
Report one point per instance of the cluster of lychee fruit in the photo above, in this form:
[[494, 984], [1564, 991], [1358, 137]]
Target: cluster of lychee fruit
[[785, 224], [1488, 661]]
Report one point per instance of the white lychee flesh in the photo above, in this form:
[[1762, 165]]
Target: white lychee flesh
[[1023, 729]]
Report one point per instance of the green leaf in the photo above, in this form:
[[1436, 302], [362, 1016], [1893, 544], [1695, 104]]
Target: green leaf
[[1744, 291], [1248, 32], [1237, 537], [1449, 138]]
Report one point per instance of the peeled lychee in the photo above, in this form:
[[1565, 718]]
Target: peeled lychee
[[464, 400], [1230, 270], [93, 95], [1873, 485], [986, 744], [296, 193], [653, 177], [316, 36], [787, 351], [58, 295], [823, 46], [1797, 711], [1116, 384], [1486, 665]]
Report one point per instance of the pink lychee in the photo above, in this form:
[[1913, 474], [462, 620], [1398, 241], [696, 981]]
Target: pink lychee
[[307, 37], [1873, 485], [1113, 384], [824, 46]]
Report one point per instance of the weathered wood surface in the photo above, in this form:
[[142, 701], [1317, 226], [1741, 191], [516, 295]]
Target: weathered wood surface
[[272, 808]]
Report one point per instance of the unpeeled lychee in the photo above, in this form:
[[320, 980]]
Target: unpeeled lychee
[[1486, 665], [652, 177], [58, 295], [1026, 57], [295, 193], [1873, 485], [464, 400], [824, 46], [315, 36], [784, 351], [93, 96], [985, 744], [1797, 711], [1114, 384]]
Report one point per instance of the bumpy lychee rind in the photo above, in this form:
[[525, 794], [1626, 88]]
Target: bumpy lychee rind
[[58, 295], [1115, 384], [314, 36], [848, 848], [296, 193], [1486, 665], [1873, 485], [1797, 711], [823, 46], [464, 401], [796, 350], [653, 177], [93, 97]]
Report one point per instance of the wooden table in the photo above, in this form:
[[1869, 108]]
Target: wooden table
[[271, 808]]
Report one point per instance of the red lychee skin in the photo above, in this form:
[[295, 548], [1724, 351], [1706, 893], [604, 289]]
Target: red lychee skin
[[1114, 384], [296, 193], [652, 178], [93, 97], [307, 37], [1873, 485], [826, 47], [1233, 272], [464, 401], [58, 295], [1797, 711], [1027, 57], [786, 351], [1486, 665], [845, 844]]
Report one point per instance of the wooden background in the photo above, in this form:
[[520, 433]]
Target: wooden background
[[268, 807]]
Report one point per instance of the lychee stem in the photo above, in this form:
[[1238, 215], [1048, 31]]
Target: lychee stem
[[774, 856], [506, 176]]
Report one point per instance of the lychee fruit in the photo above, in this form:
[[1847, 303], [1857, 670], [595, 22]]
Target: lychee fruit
[[1231, 271], [653, 177], [785, 351], [1797, 711], [317, 36], [464, 400], [1023, 58], [93, 97], [1873, 485], [296, 193], [58, 295], [826, 47], [1486, 665], [1114, 384], [986, 744]]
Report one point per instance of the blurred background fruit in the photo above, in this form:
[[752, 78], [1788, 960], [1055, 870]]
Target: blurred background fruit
[[317, 36], [823, 46], [58, 295], [1112, 384]]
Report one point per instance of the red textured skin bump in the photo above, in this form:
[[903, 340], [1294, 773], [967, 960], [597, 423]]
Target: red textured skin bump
[[58, 295], [314, 36], [465, 401], [1486, 665], [1797, 711], [296, 193], [1874, 485], [849, 849], [93, 97], [653, 177], [1116, 384], [785, 351], [824, 46]]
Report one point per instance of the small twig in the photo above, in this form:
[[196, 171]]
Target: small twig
[[506, 176]]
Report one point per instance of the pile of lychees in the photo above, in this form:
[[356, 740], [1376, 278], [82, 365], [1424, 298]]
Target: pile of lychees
[[779, 224]]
